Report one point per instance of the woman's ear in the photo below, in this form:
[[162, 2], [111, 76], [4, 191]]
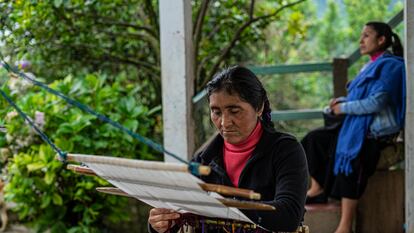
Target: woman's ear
[[260, 112], [381, 40]]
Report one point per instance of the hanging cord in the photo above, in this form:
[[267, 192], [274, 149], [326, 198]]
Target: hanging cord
[[192, 167], [62, 155]]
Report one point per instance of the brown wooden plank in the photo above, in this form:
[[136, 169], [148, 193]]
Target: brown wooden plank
[[381, 208]]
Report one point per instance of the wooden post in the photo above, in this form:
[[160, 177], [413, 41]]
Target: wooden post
[[340, 76], [409, 119], [177, 73]]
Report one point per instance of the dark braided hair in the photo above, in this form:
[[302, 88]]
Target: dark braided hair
[[391, 39], [242, 81]]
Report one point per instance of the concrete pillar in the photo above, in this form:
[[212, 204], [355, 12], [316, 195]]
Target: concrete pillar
[[409, 120], [177, 73]]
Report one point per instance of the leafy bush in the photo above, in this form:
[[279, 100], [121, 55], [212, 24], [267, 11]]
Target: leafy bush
[[49, 197]]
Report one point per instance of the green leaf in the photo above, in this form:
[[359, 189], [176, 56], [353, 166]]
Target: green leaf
[[57, 199], [58, 227], [154, 110], [64, 144], [78, 208], [42, 154], [92, 81], [45, 201], [76, 87], [89, 185], [131, 124], [57, 3], [101, 144], [35, 166], [64, 128], [49, 177]]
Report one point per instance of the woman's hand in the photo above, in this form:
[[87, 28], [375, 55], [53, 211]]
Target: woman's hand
[[334, 105], [162, 219], [336, 109], [334, 102]]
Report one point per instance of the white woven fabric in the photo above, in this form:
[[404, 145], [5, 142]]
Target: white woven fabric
[[159, 188]]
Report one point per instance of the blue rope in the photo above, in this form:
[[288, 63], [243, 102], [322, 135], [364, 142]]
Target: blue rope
[[101, 117], [62, 155]]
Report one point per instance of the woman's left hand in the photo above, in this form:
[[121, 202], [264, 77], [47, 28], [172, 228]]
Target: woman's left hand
[[336, 109], [162, 219]]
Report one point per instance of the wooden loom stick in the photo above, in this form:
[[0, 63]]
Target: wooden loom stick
[[222, 189], [230, 191], [81, 170], [150, 165], [250, 205], [227, 202]]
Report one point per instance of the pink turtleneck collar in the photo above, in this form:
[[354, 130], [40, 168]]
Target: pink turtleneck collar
[[376, 55], [236, 155]]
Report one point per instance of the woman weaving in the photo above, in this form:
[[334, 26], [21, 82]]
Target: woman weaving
[[249, 153]]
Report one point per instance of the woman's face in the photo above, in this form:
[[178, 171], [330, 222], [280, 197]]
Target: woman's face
[[234, 118], [369, 42]]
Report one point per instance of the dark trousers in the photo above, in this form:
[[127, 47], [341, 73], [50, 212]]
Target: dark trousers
[[320, 146]]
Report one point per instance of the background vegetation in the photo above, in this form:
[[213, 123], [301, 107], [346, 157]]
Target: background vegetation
[[106, 54], [48, 196]]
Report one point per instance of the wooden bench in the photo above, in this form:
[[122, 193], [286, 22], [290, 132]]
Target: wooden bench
[[381, 208]]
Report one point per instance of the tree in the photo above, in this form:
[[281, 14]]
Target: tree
[[110, 36], [247, 20]]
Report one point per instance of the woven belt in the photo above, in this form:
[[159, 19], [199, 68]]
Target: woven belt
[[301, 229]]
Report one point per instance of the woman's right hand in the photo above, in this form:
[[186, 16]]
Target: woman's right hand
[[333, 102], [162, 219]]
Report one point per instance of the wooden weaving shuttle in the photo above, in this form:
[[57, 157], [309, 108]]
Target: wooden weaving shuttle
[[249, 205], [222, 189]]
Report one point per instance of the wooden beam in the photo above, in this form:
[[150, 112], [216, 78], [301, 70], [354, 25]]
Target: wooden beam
[[142, 164], [340, 76]]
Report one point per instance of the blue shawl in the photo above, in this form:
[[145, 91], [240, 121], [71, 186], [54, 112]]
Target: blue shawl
[[386, 74]]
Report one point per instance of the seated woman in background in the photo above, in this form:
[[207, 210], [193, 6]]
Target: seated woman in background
[[249, 153], [342, 158]]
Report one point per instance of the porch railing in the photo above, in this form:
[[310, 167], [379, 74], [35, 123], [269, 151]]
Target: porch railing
[[339, 68]]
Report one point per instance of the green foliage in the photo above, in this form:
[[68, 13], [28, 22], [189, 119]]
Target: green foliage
[[77, 37], [48, 196], [246, 21], [110, 36]]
